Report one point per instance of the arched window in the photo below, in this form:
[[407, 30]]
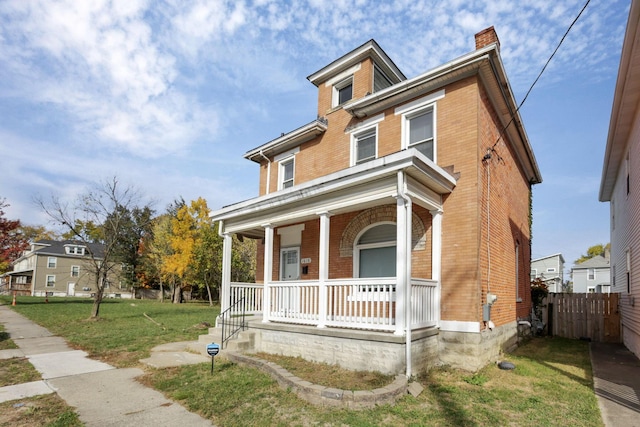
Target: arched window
[[375, 251]]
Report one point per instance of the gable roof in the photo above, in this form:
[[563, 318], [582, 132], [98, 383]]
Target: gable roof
[[595, 262], [57, 247], [549, 256]]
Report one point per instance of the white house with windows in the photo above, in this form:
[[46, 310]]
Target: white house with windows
[[550, 269], [592, 276], [620, 184]]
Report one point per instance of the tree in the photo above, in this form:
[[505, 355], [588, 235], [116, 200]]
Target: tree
[[12, 241], [594, 251], [33, 233], [103, 206]]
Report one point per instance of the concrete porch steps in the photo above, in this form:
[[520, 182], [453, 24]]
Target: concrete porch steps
[[244, 341]]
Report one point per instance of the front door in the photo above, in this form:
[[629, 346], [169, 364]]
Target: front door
[[71, 289], [290, 264]]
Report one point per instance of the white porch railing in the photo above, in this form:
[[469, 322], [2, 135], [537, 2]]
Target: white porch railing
[[252, 294], [351, 303]]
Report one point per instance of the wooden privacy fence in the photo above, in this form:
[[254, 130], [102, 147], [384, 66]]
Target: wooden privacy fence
[[592, 316]]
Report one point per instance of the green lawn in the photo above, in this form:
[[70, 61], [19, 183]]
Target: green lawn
[[552, 384], [126, 330]]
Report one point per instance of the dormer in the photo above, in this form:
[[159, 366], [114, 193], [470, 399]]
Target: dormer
[[74, 250], [361, 72]]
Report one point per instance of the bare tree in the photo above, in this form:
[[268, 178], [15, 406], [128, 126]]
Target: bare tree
[[107, 205]]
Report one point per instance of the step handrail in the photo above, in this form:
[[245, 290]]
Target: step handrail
[[232, 324]]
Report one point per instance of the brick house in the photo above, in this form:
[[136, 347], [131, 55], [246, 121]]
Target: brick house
[[394, 229]]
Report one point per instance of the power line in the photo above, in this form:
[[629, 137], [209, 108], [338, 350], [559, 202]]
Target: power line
[[542, 71]]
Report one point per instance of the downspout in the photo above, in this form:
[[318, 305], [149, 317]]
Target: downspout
[[267, 185], [407, 294]]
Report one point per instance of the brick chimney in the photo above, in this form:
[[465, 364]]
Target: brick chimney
[[487, 37]]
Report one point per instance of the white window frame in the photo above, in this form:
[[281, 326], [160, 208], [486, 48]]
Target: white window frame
[[52, 262], [356, 137], [357, 247], [551, 270], [282, 164], [416, 108], [335, 91], [75, 250], [534, 273], [77, 273], [589, 270], [362, 129], [50, 281]]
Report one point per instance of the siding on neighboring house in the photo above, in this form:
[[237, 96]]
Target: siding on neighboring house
[[620, 183]]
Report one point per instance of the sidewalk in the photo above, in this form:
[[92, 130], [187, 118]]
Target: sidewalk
[[616, 380], [101, 394]]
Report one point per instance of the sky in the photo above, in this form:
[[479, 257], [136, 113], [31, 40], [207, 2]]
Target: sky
[[168, 95]]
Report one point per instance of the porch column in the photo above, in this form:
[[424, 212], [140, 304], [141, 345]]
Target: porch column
[[268, 271], [225, 298], [401, 266], [436, 256], [323, 274]]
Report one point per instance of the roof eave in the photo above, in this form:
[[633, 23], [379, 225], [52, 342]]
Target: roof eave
[[292, 139]]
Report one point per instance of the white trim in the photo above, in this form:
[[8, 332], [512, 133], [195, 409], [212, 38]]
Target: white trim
[[355, 137], [419, 103], [281, 165], [357, 247], [459, 326], [335, 91], [366, 123], [406, 122], [286, 154], [46, 281], [349, 72]]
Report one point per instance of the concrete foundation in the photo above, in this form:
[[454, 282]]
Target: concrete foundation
[[350, 349], [472, 351]]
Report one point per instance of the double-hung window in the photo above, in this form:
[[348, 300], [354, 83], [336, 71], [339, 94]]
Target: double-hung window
[[420, 129], [51, 280], [342, 92], [365, 145], [286, 173], [364, 140], [52, 262], [419, 124], [75, 271]]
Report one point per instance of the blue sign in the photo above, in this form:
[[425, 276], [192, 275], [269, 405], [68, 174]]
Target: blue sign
[[213, 349]]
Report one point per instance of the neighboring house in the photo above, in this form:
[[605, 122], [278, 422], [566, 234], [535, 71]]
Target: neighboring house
[[59, 268], [592, 276], [551, 270], [393, 229], [620, 183]]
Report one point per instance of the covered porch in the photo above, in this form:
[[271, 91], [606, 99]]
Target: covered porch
[[378, 264]]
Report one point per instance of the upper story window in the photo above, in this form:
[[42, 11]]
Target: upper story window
[[534, 273], [51, 280], [364, 140], [551, 270], [380, 80], [342, 92], [420, 129], [365, 146], [75, 271], [52, 262], [591, 274], [74, 250], [419, 124], [286, 173]]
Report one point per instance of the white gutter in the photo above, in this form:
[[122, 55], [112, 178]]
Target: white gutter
[[268, 183]]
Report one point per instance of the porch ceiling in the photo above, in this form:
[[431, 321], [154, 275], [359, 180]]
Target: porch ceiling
[[359, 187]]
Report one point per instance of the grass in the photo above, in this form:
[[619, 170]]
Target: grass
[[6, 343], [47, 410], [126, 329], [552, 384], [17, 370]]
